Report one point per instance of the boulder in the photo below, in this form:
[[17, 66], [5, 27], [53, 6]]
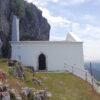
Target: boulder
[[40, 95], [5, 96], [44, 78], [18, 97], [3, 88], [38, 82], [49, 94], [26, 91]]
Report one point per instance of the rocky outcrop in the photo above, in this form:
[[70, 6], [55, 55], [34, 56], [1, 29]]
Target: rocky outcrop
[[13, 82], [35, 80], [32, 27], [5, 27], [37, 28], [17, 67], [5, 96], [40, 95]]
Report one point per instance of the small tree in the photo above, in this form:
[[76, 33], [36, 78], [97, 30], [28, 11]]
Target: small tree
[[12, 96], [17, 7], [29, 13]]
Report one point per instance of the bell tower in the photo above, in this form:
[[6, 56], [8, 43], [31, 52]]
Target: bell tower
[[15, 29]]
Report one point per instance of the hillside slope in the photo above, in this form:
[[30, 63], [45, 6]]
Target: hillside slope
[[61, 86]]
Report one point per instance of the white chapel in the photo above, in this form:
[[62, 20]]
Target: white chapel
[[47, 55]]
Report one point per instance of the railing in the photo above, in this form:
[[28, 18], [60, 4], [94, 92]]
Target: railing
[[84, 74]]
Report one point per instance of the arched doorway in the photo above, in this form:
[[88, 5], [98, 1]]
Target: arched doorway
[[42, 62]]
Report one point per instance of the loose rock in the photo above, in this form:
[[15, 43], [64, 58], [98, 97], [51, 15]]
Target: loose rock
[[26, 91], [38, 82], [18, 97], [49, 94], [40, 95], [5, 96]]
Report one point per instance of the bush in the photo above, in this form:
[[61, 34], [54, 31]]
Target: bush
[[29, 13], [11, 72], [12, 96], [31, 96], [17, 7]]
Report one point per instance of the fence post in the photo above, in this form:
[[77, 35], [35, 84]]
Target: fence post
[[72, 70], [91, 77], [86, 75]]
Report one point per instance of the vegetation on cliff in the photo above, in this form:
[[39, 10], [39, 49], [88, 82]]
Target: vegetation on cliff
[[17, 7]]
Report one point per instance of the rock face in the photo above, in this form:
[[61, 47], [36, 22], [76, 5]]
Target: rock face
[[5, 27], [37, 28], [26, 91], [34, 28]]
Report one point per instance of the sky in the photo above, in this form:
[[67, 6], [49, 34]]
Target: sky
[[82, 17]]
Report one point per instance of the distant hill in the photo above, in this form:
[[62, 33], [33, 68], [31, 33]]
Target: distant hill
[[33, 26], [95, 69]]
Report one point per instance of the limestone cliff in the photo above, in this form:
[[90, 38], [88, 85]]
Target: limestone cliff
[[33, 26]]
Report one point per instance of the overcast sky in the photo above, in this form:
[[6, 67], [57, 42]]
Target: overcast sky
[[80, 16]]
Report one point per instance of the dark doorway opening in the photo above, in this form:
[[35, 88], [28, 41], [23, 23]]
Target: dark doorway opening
[[42, 62]]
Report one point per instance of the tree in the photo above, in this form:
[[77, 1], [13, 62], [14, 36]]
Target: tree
[[17, 7], [29, 13]]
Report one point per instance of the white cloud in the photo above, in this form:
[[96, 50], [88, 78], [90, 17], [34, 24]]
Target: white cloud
[[76, 1], [91, 36], [54, 1], [88, 18], [38, 2], [55, 38], [87, 30], [61, 2], [55, 20], [92, 53], [71, 2], [42, 2]]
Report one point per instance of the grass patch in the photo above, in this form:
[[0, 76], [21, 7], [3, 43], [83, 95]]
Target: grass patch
[[63, 86], [10, 71], [3, 66], [29, 83]]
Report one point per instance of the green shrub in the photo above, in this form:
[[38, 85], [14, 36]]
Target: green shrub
[[11, 72], [29, 13], [12, 96], [17, 7], [31, 96]]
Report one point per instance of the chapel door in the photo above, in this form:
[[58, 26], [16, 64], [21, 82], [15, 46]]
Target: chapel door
[[42, 62]]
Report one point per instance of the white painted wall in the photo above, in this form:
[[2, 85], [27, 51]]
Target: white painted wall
[[57, 53]]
